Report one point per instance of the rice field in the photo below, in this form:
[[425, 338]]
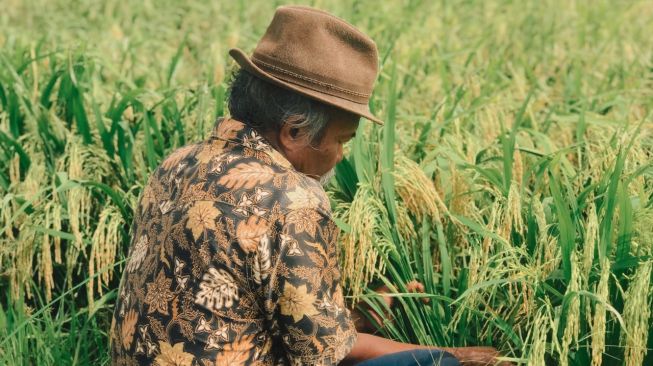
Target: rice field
[[513, 177]]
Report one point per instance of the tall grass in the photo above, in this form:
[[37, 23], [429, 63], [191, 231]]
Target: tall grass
[[513, 176]]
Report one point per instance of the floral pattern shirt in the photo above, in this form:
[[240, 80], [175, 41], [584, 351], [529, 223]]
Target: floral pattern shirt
[[233, 261]]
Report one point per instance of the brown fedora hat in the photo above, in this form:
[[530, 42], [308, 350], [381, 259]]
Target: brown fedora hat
[[317, 55]]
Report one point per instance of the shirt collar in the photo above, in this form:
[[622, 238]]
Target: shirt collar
[[238, 133]]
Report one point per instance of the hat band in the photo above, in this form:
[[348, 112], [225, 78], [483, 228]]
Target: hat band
[[310, 83]]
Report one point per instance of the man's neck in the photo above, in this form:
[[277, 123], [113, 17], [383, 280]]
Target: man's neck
[[272, 139]]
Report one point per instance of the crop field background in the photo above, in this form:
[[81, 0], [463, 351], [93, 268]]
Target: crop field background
[[513, 177]]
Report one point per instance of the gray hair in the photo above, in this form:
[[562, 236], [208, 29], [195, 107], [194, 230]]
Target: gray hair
[[267, 107]]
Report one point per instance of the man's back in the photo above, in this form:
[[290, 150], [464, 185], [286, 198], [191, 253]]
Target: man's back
[[233, 261]]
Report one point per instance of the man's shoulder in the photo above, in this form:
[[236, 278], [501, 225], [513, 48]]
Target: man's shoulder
[[252, 181], [269, 187], [179, 157]]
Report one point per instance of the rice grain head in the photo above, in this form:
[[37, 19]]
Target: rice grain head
[[517, 169], [104, 246], [416, 191], [636, 313], [572, 326], [46, 256], [538, 340], [81, 162], [495, 212], [591, 235], [361, 245], [405, 225], [513, 213], [598, 322]]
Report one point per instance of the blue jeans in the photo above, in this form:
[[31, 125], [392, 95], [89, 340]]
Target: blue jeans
[[421, 357]]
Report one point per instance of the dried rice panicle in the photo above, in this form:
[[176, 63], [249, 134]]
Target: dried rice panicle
[[81, 162], [572, 327], [495, 212], [538, 336], [78, 207], [104, 246], [512, 219], [362, 245], [517, 169], [24, 247], [46, 273], [477, 274], [459, 203], [490, 126], [636, 314], [416, 190], [405, 225], [598, 322], [49, 217], [547, 253], [591, 235], [542, 226], [642, 243]]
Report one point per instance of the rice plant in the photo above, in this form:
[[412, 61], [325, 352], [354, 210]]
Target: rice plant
[[513, 177]]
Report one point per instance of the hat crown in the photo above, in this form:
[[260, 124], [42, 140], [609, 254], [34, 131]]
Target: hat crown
[[317, 50]]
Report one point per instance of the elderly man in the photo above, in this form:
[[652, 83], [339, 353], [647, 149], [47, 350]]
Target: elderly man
[[233, 258]]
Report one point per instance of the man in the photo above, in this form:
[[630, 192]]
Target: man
[[233, 259]]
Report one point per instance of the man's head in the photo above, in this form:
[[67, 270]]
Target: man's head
[[308, 133], [306, 85]]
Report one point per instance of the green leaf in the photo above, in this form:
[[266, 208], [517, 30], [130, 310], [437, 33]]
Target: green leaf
[[566, 228], [387, 152]]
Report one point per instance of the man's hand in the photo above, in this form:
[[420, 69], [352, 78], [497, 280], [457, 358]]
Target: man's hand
[[368, 346], [417, 287], [364, 325], [477, 356], [468, 356], [413, 286]]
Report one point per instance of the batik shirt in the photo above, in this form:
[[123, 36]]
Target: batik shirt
[[233, 261]]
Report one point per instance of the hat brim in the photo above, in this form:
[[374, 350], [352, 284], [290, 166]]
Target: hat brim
[[362, 110]]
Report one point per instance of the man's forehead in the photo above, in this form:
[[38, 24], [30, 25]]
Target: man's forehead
[[345, 122], [347, 128]]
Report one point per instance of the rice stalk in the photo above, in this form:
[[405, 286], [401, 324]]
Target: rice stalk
[[362, 246], [539, 332], [572, 325], [512, 219], [24, 248], [517, 169], [643, 222], [78, 207], [591, 235], [104, 246], [82, 163], [495, 213], [459, 202], [636, 314], [585, 65], [55, 220], [405, 225], [477, 275], [46, 272], [14, 170], [416, 191], [598, 322]]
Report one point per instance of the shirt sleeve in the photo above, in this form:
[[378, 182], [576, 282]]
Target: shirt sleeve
[[305, 300]]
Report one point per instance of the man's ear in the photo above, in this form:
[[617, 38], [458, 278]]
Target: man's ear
[[290, 137]]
